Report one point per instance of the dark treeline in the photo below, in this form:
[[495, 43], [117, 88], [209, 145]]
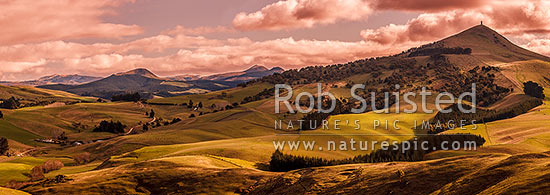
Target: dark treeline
[[314, 74], [15, 103], [10, 103], [533, 89], [439, 51], [110, 126], [287, 162], [130, 97], [481, 115]]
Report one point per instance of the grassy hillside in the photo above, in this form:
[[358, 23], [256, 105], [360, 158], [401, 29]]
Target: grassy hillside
[[8, 191], [466, 174]]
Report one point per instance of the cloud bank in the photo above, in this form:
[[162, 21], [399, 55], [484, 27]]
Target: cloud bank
[[44, 44], [25, 21]]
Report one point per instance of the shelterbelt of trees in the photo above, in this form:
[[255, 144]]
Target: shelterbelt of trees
[[287, 162]]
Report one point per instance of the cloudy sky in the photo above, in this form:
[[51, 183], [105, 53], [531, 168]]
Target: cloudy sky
[[172, 37]]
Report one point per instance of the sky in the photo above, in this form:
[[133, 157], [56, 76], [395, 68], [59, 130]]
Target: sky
[[179, 37]]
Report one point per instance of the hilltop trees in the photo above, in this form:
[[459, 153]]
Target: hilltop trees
[[533, 89], [440, 50], [4, 147]]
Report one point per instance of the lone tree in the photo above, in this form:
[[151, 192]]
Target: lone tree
[[190, 104], [533, 89], [4, 147], [152, 114], [1, 114]]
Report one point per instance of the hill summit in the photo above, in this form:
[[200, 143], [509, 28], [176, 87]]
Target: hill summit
[[139, 71], [256, 68], [486, 45]]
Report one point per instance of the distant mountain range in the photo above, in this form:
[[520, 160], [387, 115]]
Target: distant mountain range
[[74, 79], [150, 85], [253, 72]]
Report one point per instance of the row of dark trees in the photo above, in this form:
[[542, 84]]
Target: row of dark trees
[[11, 103], [439, 51], [129, 97], [159, 122], [287, 162]]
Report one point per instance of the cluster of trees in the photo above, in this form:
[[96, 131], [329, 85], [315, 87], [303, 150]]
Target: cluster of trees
[[159, 122], [129, 97], [4, 146], [37, 172], [458, 82], [287, 162], [266, 93], [11, 103], [313, 119], [439, 51], [191, 104], [481, 115], [533, 89], [110, 126], [82, 158]]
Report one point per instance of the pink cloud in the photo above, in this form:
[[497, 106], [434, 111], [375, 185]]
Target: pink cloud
[[291, 14], [426, 27], [509, 17], [427, 5], [27, 21], [201, 30], [195, 54], [302, 14], [541, 46]]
